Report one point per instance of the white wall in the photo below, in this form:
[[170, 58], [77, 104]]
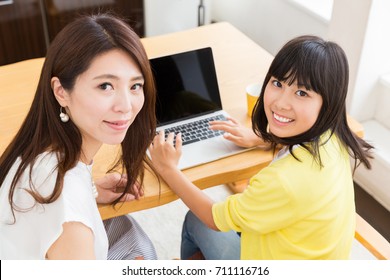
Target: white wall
[[166, 16], [374, 56], [349, 30], [268, 23], [271, 23], [360, 27]]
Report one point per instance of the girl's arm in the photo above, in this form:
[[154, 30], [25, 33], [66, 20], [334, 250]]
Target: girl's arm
[[76, 242], [165, 157]]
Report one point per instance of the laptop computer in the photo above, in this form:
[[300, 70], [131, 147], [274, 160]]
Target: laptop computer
[[188, 98]]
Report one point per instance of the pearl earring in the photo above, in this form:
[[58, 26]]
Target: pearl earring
[[63, 116]]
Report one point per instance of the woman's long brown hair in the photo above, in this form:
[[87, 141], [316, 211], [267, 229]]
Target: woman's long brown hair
[[69, 55]]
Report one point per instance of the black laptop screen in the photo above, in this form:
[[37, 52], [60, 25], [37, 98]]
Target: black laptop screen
[[186, 84]]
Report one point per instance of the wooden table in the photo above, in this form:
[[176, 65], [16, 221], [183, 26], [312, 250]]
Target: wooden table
[[238, 60]]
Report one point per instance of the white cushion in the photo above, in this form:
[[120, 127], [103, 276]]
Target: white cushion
[[376, 181], [382, 97]]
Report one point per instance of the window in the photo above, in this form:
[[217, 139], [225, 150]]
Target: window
[[321, 8]]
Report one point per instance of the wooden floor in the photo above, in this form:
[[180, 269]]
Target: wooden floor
[[373, 212]]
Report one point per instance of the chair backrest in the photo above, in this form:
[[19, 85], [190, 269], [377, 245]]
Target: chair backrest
[[372, 240]]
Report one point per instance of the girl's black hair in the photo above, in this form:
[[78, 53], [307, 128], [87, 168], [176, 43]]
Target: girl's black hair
[[321, 66]]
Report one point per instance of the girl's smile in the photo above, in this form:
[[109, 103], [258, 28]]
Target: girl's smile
[[290, 109], [282, 120]]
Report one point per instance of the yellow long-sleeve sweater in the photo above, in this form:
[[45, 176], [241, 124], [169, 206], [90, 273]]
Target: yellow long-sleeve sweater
[[295, 209]]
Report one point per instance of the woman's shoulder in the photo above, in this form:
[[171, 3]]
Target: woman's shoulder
[[40, 175], [45, 162], [44, 166]]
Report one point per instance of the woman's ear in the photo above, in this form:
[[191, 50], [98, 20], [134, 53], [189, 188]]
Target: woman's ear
[[60, 93]]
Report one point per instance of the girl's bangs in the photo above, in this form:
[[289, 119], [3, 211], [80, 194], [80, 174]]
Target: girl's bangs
[[295, 72], [304, 65]]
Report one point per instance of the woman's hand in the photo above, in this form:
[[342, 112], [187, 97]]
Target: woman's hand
[[109, 185], [237, 133], [163, 153]]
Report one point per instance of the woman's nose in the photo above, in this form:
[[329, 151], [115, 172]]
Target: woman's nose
[[123, 102]]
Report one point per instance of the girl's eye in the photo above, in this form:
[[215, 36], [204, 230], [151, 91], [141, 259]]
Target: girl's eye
[[301, 93], [106, 86], [137, 87], [277, 83]]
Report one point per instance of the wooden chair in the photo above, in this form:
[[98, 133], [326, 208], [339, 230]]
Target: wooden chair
[[371, 239]]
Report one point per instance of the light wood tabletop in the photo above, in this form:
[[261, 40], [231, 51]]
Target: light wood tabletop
[[239, 61]]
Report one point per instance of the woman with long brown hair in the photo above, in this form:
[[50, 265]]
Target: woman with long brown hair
[[96, 87]]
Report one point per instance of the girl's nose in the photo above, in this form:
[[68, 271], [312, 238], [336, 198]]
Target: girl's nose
[[283, 102]]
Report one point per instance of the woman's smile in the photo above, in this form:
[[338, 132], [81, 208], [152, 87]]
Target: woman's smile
[[119, 125]]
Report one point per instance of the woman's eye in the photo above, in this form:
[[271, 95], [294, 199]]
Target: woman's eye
[[106, 86], [301, 93], [137, 86], [277, 83]]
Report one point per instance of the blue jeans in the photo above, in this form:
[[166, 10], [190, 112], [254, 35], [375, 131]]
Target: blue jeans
[[214, 245]]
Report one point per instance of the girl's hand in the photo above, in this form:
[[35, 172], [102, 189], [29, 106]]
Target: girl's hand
[[163, 153], [109, 185], [237, 133]]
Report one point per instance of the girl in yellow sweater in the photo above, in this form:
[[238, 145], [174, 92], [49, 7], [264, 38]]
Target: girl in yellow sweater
[[301, 206]]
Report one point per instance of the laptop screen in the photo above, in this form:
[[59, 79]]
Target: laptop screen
[[186, 85]]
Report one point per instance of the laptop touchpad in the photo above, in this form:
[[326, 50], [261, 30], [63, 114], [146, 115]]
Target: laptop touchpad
[[197, 153]]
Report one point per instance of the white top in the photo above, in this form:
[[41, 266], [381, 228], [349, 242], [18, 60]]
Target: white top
[[38, 226]]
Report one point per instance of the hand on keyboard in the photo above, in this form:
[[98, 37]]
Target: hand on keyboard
[[164, 154], [196, 131], [237, 133]]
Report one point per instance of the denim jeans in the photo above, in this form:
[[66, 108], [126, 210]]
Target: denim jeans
[[214, 245]]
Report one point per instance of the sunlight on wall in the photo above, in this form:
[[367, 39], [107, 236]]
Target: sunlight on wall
[[321, 8]]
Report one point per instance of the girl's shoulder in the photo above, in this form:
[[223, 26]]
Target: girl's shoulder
[[330, 144], [329, 147]]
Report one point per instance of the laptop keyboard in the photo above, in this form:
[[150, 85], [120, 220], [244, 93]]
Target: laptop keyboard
[[197, 130]]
